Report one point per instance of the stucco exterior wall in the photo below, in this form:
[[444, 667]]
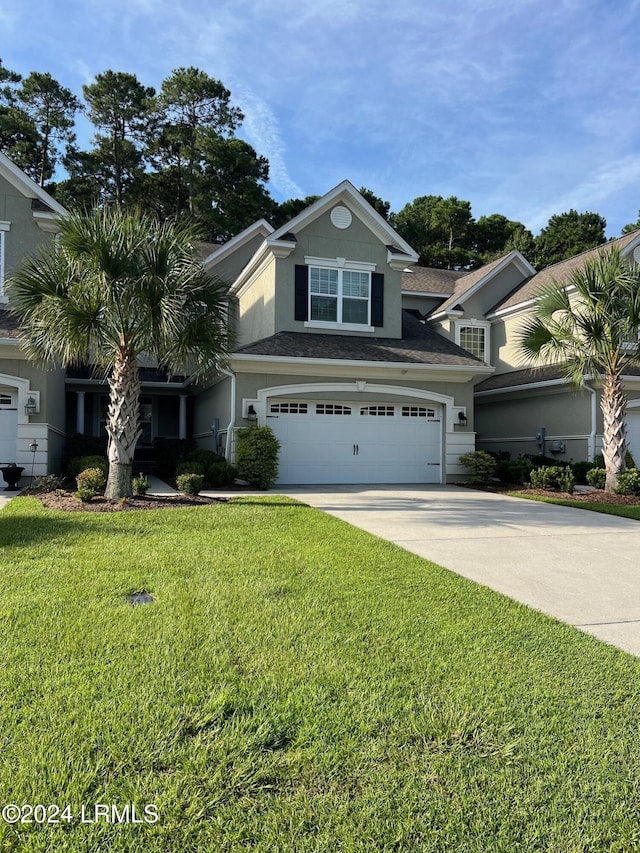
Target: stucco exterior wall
[[321, 239], [255, 314], [24, 236], [509, 422]]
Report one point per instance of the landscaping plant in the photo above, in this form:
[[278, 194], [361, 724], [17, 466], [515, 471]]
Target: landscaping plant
[[481, 465], [257, 456]]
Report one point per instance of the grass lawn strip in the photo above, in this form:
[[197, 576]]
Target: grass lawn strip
[[299, 685], [625, 511]]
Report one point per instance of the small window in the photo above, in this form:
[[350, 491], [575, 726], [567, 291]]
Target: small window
[[339, 295], [289, 408], [332, 409], [418, 412], [378, 411], [6, 400], [473, 339]]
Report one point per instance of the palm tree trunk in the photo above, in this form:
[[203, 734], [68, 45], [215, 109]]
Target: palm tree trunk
[[614, 436], [122, 423]]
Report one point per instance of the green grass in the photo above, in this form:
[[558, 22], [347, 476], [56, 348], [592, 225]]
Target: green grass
[[298, 686], [593, 506]]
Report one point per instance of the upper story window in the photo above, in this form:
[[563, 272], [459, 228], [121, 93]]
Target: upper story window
[[339, 294], [474, 337]]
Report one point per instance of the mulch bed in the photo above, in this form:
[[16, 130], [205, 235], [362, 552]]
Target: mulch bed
[[594, 496], [69, 503]]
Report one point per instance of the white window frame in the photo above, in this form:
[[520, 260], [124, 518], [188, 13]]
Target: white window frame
[[341, 265], [475, 324]]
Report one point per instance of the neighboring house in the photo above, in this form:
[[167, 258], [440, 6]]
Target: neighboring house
[[32, 401], [356, 387], [520, 409], [46, 406]]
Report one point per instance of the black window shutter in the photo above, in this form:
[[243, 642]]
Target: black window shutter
[[377, 299], [301, 292]]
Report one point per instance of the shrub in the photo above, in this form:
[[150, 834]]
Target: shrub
[[91, 478], [81, 463], [190, 484], [206, 458], [482, 466], [597, 477], [629, 483], [222, 474], [189, 468], [554, 477], [257, 456], [140, 485], [581, 471], [513, 470], [82, 445], [84, 494], [46, 483], [167, 452]]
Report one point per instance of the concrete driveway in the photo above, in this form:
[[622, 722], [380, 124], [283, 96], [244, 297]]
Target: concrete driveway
[[581, 567]]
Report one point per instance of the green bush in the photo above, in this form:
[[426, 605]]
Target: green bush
[[553, 477], [597, 477], [84, 494], [91, 478], [81, 463], [167, 452], [46, 483], [222, 474], [206, 458], [512, 470], [481, 465], [257, 456], [189, 468], [140, 485], [629, 483], [581, 470], [190, 484]]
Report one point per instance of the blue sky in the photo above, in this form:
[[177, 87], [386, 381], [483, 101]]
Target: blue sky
[[522, 107]]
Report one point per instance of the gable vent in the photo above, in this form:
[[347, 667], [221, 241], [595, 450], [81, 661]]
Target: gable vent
[[341, 217]]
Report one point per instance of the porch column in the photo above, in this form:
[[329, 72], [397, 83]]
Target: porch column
[[182, 428], [80, 412]]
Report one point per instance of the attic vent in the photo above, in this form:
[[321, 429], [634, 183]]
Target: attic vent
[[341, 217]]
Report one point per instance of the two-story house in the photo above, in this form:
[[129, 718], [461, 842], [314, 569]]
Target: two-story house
[[357, 387]]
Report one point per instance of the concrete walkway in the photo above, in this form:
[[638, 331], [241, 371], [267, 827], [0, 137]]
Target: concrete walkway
[[581, 567]]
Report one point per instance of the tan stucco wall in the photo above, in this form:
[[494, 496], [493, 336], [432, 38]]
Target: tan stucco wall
[[492, 292], [24, 236], [255, 316], [321, 239], [509, 421], [505, 351]]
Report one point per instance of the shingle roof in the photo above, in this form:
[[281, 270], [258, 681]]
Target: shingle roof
[[428, 280], [467, 281], [515, 378], [533, 286], [419, 345]]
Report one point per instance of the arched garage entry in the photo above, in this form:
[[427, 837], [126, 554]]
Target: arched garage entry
[[355, 432]]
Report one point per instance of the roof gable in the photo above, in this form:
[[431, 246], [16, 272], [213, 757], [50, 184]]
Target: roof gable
[[399, 251], [531, 288], [469, 284], [29, 189]]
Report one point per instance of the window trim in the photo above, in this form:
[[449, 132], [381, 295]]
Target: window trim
[[341, 265], [475, 324]]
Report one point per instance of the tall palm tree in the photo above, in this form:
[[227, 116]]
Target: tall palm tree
[[117, 285], [589, 325]]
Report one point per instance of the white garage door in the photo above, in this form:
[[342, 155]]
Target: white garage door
[[342, 442], [8, 425]]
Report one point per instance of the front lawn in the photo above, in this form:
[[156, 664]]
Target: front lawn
[[298, 685], [626, 508]]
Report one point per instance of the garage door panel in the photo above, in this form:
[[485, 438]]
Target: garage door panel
[[363, 444]]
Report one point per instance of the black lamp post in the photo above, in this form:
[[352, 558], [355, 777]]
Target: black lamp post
[[33, 447]]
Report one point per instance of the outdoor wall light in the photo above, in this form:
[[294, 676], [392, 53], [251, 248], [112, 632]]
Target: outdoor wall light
[[251, 414], [30, 406], [462, 418]]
